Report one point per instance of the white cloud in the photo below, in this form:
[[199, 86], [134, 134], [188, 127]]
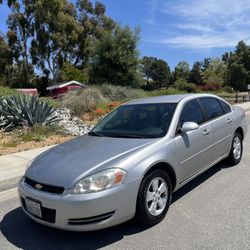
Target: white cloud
[[207, 23], [202, 41], [152, 9], [193, 26]]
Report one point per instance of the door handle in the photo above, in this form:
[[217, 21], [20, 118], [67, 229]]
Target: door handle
[[205, 132], [229, 120]]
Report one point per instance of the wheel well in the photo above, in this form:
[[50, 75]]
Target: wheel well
[[167, 168], [240, 130]]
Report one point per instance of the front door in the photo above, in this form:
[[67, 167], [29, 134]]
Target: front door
[[193, 146]]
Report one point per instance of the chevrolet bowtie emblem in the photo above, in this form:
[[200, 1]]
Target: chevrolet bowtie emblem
[[38, 186]]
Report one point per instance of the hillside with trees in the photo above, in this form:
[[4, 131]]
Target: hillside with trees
[[60, 40]]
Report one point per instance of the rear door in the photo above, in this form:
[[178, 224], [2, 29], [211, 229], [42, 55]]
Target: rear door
[[219, 117], [194, 147]]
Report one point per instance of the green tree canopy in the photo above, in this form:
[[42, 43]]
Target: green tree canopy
[[196, 73], [215, 72], [49, 33], [155, 71], [5, 56], [115, 57], [20, 29], [69, 72], [182, 71], [238, 64]]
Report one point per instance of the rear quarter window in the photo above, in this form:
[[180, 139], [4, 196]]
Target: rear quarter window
[[225, 107], [211, 107]]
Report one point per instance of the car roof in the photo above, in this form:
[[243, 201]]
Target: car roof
[[167, 98]]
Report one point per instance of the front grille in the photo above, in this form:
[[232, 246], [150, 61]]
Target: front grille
[[91, 220], [44, 187], [48, 215]]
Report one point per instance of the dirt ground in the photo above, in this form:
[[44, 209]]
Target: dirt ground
[[8, 145], [10, 142]]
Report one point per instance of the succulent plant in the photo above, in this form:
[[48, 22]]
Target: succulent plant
[[25, 111]]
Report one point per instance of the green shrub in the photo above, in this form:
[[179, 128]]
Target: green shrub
[[182, 85], [52, 102], [25, 111], [169, 91], [69, 72], [6, 92], [227, 89], [120, 93], [80, 102], [174, 91], [211, 87]]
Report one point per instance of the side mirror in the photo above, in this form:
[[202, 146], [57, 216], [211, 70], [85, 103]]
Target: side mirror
[[189, 126]]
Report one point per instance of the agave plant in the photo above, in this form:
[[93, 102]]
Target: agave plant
[[25, 111]]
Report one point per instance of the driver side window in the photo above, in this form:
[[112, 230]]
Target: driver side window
[[191, 113]]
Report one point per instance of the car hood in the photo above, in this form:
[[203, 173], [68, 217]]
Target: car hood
[[66, 163]]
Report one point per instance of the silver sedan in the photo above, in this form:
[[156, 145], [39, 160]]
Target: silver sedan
[[129, 165]]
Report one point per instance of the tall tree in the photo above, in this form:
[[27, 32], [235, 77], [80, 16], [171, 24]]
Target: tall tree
[[156, 71], [9, 2], [238, 64], [182, 71], [215, 73], [5, 58], [95, 22], [12, 73], [115, 57], [20, 29], [238, 76], [65, 33], [56, 33], [196, 73], [205, 63], [15, 76]]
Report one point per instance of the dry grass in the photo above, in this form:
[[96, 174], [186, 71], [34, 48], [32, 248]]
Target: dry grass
[[121, 93], [17, 141], [80, 102]]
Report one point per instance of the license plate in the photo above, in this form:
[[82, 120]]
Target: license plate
[[33, 207]]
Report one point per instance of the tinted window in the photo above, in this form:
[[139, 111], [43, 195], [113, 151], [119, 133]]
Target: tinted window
[[137, 121], [226, 108], [191, 113], [211, 107]]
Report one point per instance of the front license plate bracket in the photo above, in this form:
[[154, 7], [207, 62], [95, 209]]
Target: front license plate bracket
[[33, 207]]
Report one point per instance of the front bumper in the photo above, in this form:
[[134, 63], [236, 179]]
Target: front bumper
[[83, 212]]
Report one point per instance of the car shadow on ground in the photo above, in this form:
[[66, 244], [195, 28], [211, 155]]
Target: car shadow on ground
[[23, 233], [199, 180]]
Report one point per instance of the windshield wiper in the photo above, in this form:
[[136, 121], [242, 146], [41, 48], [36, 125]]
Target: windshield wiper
[[95, 134], [124, 135]]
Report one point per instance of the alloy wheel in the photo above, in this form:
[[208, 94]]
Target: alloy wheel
[[157, 196], [237, 147]]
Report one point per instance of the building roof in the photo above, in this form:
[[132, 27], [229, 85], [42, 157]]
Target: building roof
[[64, 84]]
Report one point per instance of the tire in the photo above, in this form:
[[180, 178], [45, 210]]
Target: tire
[[235, 154], [154, 210]]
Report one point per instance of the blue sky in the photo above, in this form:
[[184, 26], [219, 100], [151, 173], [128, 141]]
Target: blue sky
[[179, 30]]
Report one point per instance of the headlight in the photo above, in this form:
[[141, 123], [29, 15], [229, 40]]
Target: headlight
[[100, 181]]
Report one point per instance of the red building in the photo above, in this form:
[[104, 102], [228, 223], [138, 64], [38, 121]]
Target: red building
[[31, 92], [58, 90]]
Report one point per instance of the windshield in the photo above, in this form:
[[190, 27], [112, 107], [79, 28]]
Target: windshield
[[137, 121]]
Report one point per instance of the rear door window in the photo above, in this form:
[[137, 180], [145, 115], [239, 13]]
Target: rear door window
[[211, 107]]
